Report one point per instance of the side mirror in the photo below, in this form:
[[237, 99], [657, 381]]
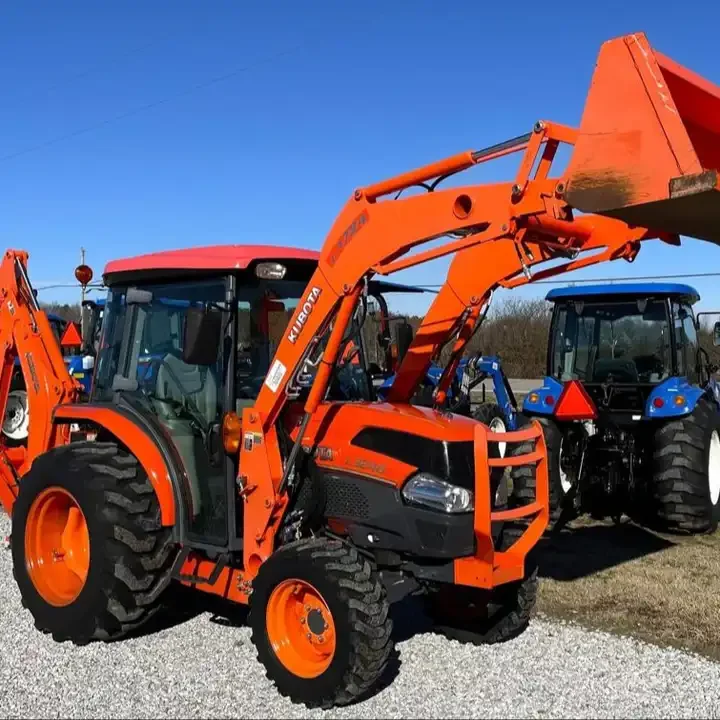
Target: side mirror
[[89, 315], [201, 340], [403, 339], [716, 334]]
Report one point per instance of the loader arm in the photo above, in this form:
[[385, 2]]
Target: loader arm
[[641, 164], [26, 333]]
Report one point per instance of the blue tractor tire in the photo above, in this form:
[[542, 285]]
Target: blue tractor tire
[[685, 484], [523, 476], [491, 415]]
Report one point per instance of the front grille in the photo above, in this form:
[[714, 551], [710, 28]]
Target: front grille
[[344, 498]]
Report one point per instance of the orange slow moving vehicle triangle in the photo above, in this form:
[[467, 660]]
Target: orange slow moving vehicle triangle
[[71, 337], [575, 403]]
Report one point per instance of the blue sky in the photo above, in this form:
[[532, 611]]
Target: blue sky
[[317, 98]]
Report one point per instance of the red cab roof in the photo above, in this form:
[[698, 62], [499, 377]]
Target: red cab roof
[[212, 257]]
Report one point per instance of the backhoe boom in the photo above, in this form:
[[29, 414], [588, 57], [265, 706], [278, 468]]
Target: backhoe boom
[[25, 332]]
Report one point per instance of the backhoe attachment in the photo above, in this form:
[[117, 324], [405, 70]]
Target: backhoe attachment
[[25, 333]]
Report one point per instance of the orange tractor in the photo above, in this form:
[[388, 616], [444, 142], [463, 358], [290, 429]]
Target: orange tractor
[[252, 480]]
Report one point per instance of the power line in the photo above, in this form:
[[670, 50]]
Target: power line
[[149, 106], [610, 280], [95, 68], [65, 285], [538, 282]]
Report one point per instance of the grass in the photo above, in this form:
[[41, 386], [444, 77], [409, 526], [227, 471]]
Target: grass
[[663, 589]]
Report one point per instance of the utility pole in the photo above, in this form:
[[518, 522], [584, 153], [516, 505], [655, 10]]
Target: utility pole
[[82, 292], [82, 287]]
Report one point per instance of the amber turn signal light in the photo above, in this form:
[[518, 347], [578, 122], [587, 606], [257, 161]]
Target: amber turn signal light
[[231, 432]]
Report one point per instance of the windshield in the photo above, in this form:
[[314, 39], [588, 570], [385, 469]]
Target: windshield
[[140, 335], [619, 342]]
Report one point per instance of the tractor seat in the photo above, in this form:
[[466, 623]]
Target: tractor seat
[[194, 386]]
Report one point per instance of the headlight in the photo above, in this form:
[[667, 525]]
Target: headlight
[[424, 489]]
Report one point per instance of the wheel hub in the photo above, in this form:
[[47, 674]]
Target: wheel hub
[[714, 468], [497, 425], [316, 622], [57, 546], [15, 422], [300, 628]]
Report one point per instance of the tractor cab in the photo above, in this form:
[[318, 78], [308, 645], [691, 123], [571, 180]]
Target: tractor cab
[[622, 344], [629, 406], [180, 350]]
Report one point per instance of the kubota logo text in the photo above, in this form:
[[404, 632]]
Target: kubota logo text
[[355, 227], [304, 314]]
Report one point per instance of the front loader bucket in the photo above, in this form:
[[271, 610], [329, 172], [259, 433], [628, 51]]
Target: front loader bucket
[[648, 148]]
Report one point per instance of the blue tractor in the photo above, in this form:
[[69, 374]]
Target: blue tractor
[[81, 362], [629, 406]]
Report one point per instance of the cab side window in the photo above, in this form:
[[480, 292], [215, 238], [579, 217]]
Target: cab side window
[[686, 341]]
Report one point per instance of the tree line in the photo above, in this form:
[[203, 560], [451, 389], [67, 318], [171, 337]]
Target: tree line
[[516, 330]]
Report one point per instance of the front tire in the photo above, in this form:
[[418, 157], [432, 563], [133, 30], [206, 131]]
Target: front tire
[[319, 620], [685, 485], [90, 556]]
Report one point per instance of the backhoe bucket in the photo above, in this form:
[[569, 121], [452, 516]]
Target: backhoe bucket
[[648, 148]]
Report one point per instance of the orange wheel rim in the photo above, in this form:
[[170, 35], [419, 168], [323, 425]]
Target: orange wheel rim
[[57, 546], [300, 628]]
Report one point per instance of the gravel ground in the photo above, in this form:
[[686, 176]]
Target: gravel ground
[[199, 668]]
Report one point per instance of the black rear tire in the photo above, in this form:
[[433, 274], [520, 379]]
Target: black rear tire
[[481, 617], [131, 554], [681, 482], [523, 477], [359, 608]]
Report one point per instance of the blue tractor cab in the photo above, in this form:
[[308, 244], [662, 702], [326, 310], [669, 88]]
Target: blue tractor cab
[[81, 362], [629, 405]]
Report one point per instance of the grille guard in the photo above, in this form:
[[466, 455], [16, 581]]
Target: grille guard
[[489, 567]]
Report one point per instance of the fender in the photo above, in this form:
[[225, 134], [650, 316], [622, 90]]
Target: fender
[[128, 430], [672, 398], [542, 400]]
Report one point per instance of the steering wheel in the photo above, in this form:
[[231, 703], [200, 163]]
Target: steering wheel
[[353, 354]]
